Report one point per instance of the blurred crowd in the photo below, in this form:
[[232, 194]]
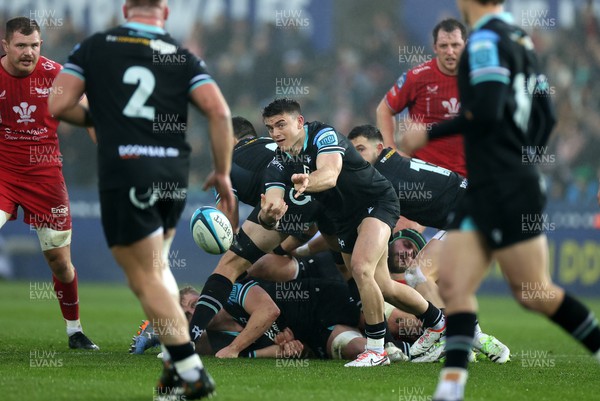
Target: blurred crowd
[[341, 86]]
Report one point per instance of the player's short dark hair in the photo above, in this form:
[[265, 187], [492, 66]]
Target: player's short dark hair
[[143, 3], [280, 106], [449, 25], [368, 131], [242, 127], [23, 25]]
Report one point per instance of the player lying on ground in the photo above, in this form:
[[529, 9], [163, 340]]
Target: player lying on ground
[[317, 312], [404, 247]]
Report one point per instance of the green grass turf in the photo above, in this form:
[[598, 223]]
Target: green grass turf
[[546, 365]]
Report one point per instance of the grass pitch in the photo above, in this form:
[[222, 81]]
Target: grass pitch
[[36, 364]]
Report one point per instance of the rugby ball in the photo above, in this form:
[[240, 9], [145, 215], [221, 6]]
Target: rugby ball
[[211, 230]]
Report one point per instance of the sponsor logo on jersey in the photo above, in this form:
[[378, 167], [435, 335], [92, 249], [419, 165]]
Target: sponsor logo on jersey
[[136, 151], [42, 92], [49, 65], [370, 209], [162, 47], [25, 110], [453, 107], [301, 200], [387, 156], [326, 139], [418, 70], [277, 164], [400, 81], [432, 89], [60, 210]]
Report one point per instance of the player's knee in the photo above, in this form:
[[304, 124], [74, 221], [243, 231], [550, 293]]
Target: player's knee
[[362, 271], [244, 247], [60, 264], [448, 290]]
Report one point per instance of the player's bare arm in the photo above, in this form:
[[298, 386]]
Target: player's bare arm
[[64, 102], [209, 99], [272, 207], [386, 123], [323, 178], [414, 138], [263, 312]]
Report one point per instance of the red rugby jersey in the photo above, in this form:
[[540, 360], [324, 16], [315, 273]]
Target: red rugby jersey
[[431, 96], [28, 139]]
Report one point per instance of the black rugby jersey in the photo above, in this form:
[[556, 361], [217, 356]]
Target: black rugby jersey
[[250, 159], [137, 80], [499, 52], [427, 193], [235, 306], [358, 183]]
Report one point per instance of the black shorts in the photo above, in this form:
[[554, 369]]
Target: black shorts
[[382, 209], [505, 212], [130, 214]]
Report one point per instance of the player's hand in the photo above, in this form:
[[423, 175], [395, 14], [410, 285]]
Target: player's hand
[[222, 184], [271, 211], [227, 352], [301, 182], [284, 336], [292, 349], [414, 138]]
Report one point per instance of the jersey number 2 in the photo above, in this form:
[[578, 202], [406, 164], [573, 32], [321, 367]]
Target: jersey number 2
[[145, 81]]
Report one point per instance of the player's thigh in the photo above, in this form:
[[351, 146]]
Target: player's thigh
[[8, 202], [464, 263], [429, 259], [525, 263], [141, 260], [371, 244]]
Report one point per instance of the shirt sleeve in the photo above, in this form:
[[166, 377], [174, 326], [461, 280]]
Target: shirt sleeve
[[401, 95], [240, 291], [327, 141], [78, 60], [198, 72], [276, 175], [485, 61]]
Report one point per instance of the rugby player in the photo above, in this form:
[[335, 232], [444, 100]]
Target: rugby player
[[363, 206], [430, 93], [143, 169], [506, 111], [31, 164]]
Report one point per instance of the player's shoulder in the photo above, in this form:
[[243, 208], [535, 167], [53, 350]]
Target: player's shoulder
[[493, 31], [386, 155], [422, 69], [257, 141], [321, 134], [48, 67]]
